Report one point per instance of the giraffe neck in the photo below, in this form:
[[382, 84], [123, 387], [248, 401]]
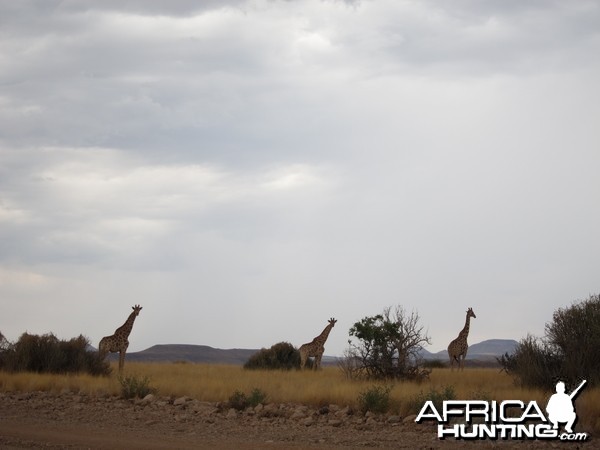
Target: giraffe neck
[[324, 335], [465, 331], [125, 329]]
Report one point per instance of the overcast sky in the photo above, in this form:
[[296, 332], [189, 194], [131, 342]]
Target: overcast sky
[[246, 170]]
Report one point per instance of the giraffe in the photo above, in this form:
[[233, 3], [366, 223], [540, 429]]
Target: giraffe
[[458, 347], [118, 342], [316, 347]]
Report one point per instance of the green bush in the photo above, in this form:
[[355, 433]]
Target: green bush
[[375, 399], [282, 356], [435, 396], [387, 346], [240, 401], [256, 396], [135, 386], [48, 354]]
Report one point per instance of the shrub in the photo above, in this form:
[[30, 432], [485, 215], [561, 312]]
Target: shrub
[[48, 354], [240, 401], [534, 363], [435, 396], [434, 364], [135, 386], [375, 399], [388, 347], [569, 351], [282, 355], [256, 396]]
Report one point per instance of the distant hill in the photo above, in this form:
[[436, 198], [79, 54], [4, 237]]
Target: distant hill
[[485, 351], [189, 353]]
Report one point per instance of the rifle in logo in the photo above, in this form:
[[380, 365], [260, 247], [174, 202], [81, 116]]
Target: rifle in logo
[[573, 394]]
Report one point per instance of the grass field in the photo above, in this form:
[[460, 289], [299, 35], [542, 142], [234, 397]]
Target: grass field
[[218, 382]]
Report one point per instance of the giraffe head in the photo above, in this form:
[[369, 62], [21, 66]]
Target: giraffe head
[[332, 322], [136, 309], [470, 313]]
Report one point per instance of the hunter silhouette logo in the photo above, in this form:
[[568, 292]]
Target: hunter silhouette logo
[[560, 407], [509, 419]]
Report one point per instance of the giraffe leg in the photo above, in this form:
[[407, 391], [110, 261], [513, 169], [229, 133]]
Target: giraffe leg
[[121, 360], [318, 361]]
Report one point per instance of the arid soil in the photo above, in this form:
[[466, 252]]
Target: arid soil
[[69, 420]]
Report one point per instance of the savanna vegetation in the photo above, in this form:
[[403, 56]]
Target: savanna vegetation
[[386, 346], [281, 356], [569, 350], [219, 383], [381, 371], [48, 354]]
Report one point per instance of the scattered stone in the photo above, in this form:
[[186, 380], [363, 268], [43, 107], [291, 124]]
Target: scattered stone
[[298, 414], [180, 401], [393, 419], [409, 419], [270, 410], [326, 425], [347, 411], [147, 399], [308, 422]]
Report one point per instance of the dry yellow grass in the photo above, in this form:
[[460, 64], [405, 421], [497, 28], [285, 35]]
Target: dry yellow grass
[[211, 382]]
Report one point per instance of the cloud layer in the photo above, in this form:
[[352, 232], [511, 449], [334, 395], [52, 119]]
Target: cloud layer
[[247, 169]]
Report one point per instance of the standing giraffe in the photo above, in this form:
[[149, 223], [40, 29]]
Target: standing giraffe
[[458, 347], [316, 347], [118, 342]]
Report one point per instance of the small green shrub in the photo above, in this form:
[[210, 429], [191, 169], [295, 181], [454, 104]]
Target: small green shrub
[[437, 397], [240, 401], [375, 399], [134, 386], [256, 396]]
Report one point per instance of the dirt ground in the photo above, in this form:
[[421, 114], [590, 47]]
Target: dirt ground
[[74, 421]]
